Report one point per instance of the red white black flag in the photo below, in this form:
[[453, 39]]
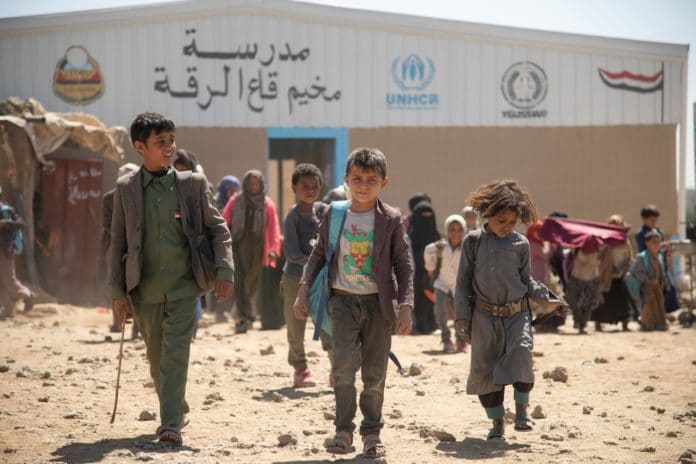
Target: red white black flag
[[626, 80]]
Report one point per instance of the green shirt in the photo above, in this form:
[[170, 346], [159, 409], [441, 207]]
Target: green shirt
[[166, 273]]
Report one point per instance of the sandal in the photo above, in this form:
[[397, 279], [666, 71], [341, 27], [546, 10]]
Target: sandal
[[373, 447], [169, 435], [341, 443]]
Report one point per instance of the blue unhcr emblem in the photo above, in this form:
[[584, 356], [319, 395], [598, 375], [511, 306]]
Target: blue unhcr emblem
[[412, 73]]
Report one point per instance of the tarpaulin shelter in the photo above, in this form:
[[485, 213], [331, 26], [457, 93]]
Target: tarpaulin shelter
[[57, 195]]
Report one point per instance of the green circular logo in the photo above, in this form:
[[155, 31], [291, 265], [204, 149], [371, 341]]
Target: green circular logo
[[524, 85]]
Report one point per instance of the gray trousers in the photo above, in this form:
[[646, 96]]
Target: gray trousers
[[362, 340], [295, 328], [248, 256]]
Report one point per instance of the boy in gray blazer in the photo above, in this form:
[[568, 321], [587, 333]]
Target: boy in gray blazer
[[162, 225]]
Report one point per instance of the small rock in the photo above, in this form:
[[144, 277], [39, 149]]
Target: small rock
[[443, 436], [647, 449], [672, 434], [552, 437], [72, 415], [509, 417], [146, 415], [329, 416], [587, 409], [537, 413], [620, 358], [210, 358], [48, 384], [649, 389], [267, 351], [85, 361], [9, 450], [143, 457], [21, 374], [277, 397], [574, 432], [4, 368], [70, 370], [537, 354], [46, 375], [600, 360], [420, 393], [558, 374], [307, 433], [395, 414], [660, 410], [287, 439], [415, 369], [610, 442], [43, 399], [312, 354]]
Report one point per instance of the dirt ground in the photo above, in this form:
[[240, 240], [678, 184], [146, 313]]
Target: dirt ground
[[629, 398]]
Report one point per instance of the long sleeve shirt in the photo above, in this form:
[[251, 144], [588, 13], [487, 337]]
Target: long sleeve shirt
[[300, 234], [496, 270]]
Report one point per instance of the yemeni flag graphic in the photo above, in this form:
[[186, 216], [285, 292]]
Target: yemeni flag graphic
[[639, 83], [626, 80]]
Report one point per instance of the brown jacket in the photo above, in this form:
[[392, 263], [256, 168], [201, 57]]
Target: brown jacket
[[391, 262], [199, 219]]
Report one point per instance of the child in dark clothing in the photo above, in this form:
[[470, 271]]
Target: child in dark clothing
[[491, 302], [300, 230], [372, 249]]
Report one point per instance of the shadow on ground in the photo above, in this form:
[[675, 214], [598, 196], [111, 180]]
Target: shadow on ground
[[478, 448], [84, 453]]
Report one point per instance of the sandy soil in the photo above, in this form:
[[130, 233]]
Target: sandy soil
[[57, 388]]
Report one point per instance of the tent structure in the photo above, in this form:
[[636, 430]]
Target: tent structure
[[51, 167]]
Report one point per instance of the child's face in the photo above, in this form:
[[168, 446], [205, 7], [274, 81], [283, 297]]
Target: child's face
[[503, 223], [365, 184], [455, 234], [253, 185], [470, 219], [653, 245], [157, 151], [651, 221], [307, 189]]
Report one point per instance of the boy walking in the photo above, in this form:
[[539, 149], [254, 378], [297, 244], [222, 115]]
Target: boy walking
[[161, 219], [649, 270], [300, 231], [364, 306], [11, 289]]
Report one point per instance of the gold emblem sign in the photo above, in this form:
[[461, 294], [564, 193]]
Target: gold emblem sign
[[78, 78]]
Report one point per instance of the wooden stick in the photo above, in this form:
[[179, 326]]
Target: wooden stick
[[118, 375]]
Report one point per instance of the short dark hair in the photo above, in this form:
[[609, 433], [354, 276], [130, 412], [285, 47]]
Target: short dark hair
[[187, 158], [306, 170], [649, 211], [145, 124], [368, 159]]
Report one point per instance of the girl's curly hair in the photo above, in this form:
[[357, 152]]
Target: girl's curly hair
[[490, 199]]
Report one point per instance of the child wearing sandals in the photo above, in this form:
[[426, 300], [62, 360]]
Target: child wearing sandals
[[372, 247], [491, 302]]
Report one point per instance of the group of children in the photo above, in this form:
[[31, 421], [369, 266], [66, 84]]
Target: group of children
[[164, 221]]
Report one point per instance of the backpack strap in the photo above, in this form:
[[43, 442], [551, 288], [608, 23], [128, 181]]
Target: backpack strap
[[472, 244], [337, 217]]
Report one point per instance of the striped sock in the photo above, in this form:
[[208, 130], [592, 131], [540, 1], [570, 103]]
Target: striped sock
[[496, 412]]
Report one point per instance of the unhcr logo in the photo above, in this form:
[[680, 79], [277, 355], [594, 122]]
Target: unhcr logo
[[412, 75]]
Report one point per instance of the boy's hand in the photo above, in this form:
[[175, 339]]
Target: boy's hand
[[122, 308], [463, 328], [404, 323], [224, 290], [301, 304]]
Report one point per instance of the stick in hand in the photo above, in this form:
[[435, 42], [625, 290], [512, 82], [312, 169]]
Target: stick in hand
[[118, 375]]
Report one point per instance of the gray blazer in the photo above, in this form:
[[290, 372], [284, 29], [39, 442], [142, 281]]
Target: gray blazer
[[200, 220]]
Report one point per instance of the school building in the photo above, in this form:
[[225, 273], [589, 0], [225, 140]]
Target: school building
[[591, 125]]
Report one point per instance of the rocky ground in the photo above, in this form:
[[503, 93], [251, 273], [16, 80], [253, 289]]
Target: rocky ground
[[604, 397]]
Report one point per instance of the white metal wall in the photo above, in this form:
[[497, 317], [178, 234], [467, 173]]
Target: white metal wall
[[466, 78]]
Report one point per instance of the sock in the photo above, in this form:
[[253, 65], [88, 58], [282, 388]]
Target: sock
[[496, 412], [521, 397]]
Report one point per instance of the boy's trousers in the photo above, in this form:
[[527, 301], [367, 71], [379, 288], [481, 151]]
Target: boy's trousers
[[361, 340], [296, 327], [167, 329]]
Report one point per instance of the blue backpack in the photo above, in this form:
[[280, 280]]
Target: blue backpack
[[18, 239], [319, 292]]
